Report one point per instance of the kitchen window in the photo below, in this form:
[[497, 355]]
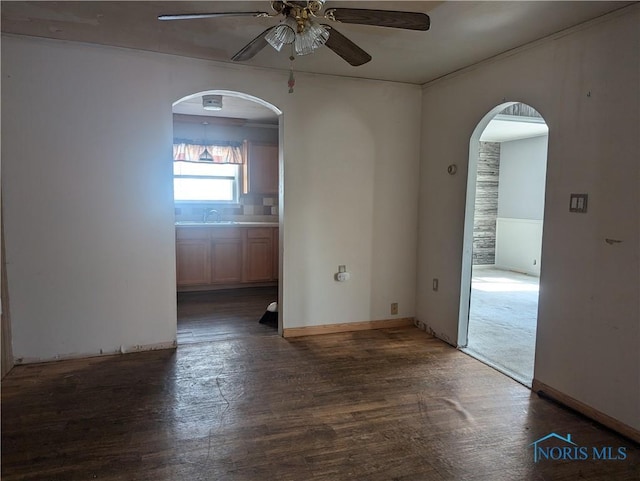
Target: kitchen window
[[205, 182], [207, 173]]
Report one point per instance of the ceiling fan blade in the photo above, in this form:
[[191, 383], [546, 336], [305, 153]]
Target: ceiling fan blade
[[191, 16], [252, 48], [380, 18], [346, 48]]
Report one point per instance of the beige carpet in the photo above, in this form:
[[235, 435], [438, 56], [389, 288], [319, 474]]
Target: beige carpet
[[502, 321]]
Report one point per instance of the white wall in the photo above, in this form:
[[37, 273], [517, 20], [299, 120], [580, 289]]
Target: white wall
[[87, 134], [585, 84], [518, 245], [521, 189], [523, 169], [83, 141]]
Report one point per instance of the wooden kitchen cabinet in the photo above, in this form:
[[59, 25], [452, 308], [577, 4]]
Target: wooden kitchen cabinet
[[259, 254], [192, 258], [226, 255], [260, 171], [215, 257]]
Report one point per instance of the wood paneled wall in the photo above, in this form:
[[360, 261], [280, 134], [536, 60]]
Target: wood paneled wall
[[486, 212]]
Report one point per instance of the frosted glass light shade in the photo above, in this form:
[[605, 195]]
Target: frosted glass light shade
[[314, 36], [282, 34]]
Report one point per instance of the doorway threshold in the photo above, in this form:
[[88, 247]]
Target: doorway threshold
[[521, 378]]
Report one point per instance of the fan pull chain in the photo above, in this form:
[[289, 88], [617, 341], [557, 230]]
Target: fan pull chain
[[292, 79]]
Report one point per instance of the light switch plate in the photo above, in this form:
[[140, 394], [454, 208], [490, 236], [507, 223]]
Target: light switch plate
[[578, 203]]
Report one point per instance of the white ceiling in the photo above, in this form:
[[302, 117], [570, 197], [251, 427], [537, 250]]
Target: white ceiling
[[461, 34], [504, 128], [232, 107]]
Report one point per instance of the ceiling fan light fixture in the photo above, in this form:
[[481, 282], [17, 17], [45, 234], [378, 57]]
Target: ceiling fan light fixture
[[212, 102], [300, 30], [315, 6], [311, 38], [283, 34]]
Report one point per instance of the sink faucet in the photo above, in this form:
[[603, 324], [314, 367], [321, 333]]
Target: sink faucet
[[209, 212]]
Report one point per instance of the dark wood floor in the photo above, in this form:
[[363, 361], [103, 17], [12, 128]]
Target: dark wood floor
[[393, 404], [226, 314]]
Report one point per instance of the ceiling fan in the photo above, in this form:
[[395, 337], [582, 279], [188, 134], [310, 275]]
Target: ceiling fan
[[303, 27]]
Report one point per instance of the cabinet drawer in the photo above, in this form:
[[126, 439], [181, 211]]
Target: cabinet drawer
[[226, 233], [259, 232], [192, 233]]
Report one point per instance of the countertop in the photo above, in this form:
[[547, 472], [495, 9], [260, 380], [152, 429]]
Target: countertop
[[191, 223]]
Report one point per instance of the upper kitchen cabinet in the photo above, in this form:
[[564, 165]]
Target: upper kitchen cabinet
[[261, 168]]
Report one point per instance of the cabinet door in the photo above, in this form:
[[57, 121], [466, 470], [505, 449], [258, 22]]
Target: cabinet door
[[261, 169], [259, 257], [192, 262], [226, 261]]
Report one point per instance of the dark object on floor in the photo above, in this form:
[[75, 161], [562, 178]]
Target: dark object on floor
[[270, 317]]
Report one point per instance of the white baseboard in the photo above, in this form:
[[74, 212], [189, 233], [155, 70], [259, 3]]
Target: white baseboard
[[110, 352]]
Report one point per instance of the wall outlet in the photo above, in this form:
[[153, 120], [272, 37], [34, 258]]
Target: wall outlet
[[435, 284], [394, 308], [342, 276]]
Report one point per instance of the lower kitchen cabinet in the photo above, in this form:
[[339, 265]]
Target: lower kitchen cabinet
[[259, 255], [193, 254], [214, 257], [226, 256]]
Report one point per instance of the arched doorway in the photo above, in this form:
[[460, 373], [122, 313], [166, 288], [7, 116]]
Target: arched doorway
[[228, 167], [503, 239]]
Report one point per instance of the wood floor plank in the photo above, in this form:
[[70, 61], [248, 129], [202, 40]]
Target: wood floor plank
[[241, 403]]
